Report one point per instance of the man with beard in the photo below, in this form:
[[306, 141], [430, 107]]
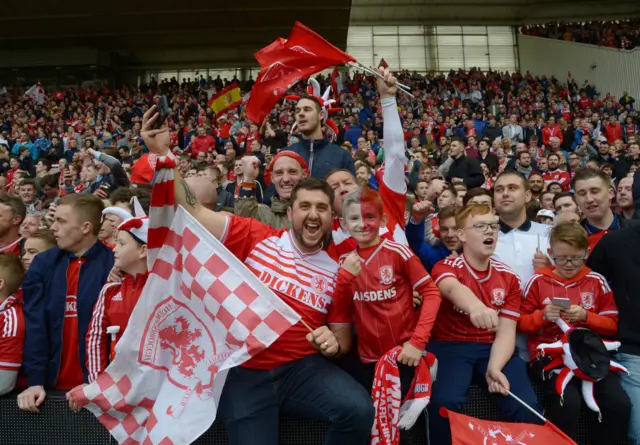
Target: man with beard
[[554, 174], [320, 154], [286, 170], [290, 376], [536, 185]]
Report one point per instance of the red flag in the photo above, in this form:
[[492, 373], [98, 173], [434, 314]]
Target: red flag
[[467, 430], [261, 56], [337, 89], [285, 63], [383, 64]]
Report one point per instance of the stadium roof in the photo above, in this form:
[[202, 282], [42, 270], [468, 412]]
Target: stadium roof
[[189, 33]]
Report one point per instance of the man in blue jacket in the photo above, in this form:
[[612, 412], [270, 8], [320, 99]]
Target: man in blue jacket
[[60, 290], [319, 153]]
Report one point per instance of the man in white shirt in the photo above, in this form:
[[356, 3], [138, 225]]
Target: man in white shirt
[[521, 243]]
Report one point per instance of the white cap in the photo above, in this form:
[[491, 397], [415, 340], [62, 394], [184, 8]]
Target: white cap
[[546, 213]]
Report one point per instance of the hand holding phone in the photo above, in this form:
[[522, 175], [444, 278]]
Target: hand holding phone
[[162, 107]]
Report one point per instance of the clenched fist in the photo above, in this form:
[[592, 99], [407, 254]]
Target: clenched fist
[[352, 264], [421, 210], [435, 189]]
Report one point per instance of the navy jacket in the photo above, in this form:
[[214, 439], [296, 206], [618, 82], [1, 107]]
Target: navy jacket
[[324, 157], [429, 255], [45, 297]]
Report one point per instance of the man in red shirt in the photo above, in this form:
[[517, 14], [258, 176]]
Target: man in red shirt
[[613, 130], [60, 290], [290, 376], [554, 174], [12, 213], [549, 131], [475, 332], [201, 143], [12, 330]]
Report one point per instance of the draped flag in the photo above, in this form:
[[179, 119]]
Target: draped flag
[[467, 430], [36, 93], [201, 313], [285, 62], [225, 99]]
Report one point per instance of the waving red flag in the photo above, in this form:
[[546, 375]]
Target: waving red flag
[[284, 63], [467, 430], [262, 55]]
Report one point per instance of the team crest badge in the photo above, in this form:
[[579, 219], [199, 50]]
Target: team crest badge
[[386, 275], [319, 284], [586, 300], [497, 297]]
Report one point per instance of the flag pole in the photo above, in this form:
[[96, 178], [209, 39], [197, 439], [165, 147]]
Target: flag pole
[[366, 69], [540, 416]]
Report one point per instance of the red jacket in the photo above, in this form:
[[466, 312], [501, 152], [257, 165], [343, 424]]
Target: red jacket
[[613, 132], [549, 132], [199, 144], [113, 308]]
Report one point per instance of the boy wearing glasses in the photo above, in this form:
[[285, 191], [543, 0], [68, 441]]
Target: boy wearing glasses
[[475, 332], [573, 292]]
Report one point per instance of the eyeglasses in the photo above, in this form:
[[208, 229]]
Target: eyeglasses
[[578, 261], [482, 227]]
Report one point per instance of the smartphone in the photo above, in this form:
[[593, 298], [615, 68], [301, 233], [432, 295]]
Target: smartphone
[[564, 303], [163, 111]]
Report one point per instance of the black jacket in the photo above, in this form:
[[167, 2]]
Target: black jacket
[[468, 169], [616, 257], [491, 161], [492, 132], [322, 156]]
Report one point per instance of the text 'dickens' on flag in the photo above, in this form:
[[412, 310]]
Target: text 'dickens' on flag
[[201, 313]]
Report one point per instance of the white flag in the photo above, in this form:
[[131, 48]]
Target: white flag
[[201, 313], [36, 93]]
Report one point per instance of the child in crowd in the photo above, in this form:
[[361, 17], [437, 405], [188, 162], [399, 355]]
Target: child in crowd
[[12, 327], [582, 298], [384, 275], [118, 299], [39, 241], [475, 332]]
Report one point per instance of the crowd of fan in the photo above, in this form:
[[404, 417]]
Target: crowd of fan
[[463, 133], [622, 34]]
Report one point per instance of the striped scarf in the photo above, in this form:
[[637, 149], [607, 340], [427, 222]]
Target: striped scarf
[[386, 394], [162, 206]]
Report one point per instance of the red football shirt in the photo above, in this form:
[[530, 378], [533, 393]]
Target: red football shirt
[[12, 334], [70, 374], [394, 205], [561, 176], [498, 288], [587, 289], [383, 300], [12, 247], [308, 282]]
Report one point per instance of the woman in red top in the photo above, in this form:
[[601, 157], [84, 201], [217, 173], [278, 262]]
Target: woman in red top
[[573, 292]]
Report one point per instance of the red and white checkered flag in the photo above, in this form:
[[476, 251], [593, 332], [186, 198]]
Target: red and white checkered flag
[[201, 313]]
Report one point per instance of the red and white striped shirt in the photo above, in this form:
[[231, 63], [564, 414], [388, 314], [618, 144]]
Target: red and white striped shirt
[[498, 287], [308, 282], [12, 334]]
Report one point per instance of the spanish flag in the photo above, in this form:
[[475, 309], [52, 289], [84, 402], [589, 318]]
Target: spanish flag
[[225, 99]]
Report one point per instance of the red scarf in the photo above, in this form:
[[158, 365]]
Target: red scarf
[[386, 392]]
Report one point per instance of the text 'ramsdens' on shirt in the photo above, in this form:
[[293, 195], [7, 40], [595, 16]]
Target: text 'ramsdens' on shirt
[[307, 282], [498, 287]]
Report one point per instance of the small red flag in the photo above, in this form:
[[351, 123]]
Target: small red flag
[[383, 64], [467, 430]]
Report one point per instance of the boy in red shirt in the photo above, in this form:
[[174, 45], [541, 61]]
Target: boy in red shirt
[[384, 275], [589, 304], [12, 330], [475, 332]]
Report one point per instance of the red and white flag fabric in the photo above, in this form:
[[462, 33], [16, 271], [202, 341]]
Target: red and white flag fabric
[[201, 313], [467, 430], [36, 93], [286, 62]]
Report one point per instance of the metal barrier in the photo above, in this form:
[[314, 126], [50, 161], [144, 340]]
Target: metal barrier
[[57, 425]]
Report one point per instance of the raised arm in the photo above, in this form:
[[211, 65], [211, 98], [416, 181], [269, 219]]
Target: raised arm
[[169, 188], [395, 159]]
